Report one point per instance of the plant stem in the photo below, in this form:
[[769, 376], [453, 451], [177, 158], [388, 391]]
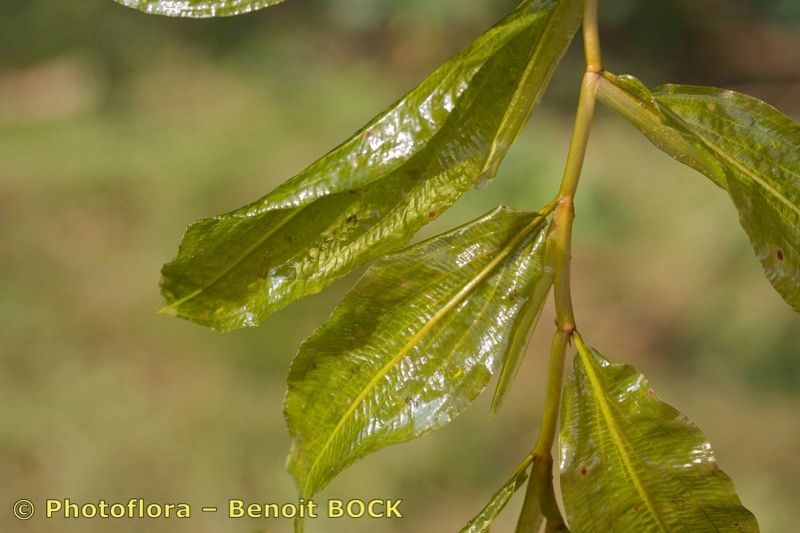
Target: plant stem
[[547, 432], [559, 257], [591, 37], [561, 229]]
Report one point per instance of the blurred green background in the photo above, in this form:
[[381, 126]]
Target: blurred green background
[[118, 129]]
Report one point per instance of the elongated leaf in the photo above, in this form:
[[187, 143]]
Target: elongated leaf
[[411, 346], [630, 462], [371, 194], [482, 522], [520, 337], [198, 8], [743, 145]]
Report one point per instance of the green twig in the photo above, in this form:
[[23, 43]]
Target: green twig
[[559, 258]]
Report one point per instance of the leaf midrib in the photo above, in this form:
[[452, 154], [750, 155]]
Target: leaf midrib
[[227, 270], [260, 242], [512, 106], [693, 129], [616, 434], [454, 301], [506, 31]]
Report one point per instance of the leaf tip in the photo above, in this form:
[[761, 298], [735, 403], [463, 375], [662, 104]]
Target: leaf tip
[[497, 403]]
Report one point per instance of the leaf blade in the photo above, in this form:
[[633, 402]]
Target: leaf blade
[[412, 345], [198, 8], [371, 194], [521, 336], [630, 462], [742, 144]]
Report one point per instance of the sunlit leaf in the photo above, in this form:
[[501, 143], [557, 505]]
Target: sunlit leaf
[[631, 463], [412, 345], [371, 194], [483, 520], [742, 144], [198, 8]]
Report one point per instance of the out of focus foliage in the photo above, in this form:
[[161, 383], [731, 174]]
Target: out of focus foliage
[[117, 129], [672, 32]]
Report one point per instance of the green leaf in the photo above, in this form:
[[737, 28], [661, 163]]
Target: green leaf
[[743, 145], [482, 522], [520, 337], [198, 8], [412, 345], [630, 462], [371, 194]]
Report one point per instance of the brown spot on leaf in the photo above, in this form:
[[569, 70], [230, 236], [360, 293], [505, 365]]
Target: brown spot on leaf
[[584, 471], [432, 214], [513, 294], [779, 254]]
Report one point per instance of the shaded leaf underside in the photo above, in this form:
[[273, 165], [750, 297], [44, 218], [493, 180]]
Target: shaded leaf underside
[[742, 144], [412, 345], [371, 194], [631, 463]]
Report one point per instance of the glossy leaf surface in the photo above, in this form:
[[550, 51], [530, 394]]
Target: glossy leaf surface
[[371, 194], [198, 8], [482, 522], [631, 463], [412, 345], [742, 144]]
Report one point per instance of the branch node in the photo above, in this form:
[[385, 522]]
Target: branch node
[[568, 330], [565, 201]]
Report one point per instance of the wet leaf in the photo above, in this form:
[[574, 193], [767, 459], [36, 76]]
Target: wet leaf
[[482, 522], [371, 194], [198, 8], [412, 345], [742, 144], [630, 462]]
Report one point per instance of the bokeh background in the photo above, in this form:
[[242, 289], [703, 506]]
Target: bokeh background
[[118, 129]]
